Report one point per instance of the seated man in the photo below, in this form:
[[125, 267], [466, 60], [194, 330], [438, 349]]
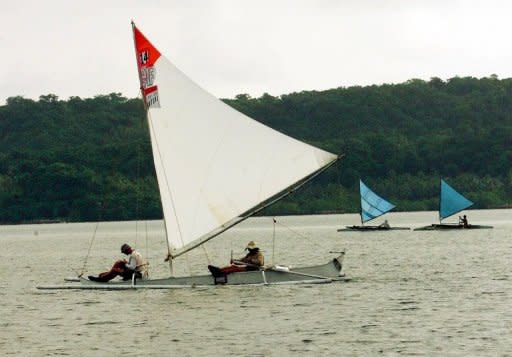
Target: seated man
[[124, 268], [252, 261], [384, 224], [463, 221]]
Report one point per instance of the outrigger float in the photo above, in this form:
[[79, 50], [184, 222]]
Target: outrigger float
[[275, 275]]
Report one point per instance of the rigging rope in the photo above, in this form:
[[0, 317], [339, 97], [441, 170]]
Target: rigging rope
[[273, 239], [291, 230], [206, 253], [188, 264], [89, 250], [147, 250], [137, 212], [139, 190], [294, 232]]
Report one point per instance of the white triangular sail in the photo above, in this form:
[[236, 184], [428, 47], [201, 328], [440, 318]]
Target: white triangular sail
[[213, 163]]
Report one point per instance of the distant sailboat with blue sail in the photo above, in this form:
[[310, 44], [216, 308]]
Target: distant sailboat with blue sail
[[452, 202], [372, 206]]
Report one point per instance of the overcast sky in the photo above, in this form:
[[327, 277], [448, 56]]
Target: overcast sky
[[85, 48]]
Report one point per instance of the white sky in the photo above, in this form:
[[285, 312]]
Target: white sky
[[85, 47]]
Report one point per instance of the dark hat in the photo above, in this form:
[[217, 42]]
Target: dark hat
[[125, 247]]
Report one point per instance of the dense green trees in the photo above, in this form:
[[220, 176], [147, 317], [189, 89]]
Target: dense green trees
[[89, 159], [81, 159]]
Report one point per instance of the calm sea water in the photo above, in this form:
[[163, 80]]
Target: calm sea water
[[411, 293]]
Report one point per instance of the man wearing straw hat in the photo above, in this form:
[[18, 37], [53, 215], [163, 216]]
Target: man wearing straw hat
[[252, 261]]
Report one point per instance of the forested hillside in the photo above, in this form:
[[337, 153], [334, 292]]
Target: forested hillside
[[89, 159]]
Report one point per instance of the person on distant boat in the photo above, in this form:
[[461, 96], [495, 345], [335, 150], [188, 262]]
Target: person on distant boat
[[124, 268], [463, 221], [253, 260], [385, 224]]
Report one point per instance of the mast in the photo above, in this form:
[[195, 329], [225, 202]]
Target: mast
[[361, 203], [141, 88], [440, 199], [146, 109]]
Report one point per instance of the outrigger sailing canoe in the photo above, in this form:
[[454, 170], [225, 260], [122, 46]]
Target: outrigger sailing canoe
[[450, 203], [372, 206], [215, 168]]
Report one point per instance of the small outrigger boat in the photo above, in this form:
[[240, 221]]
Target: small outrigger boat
[[450, 203], [215, 168], [372, 206], [274, 275]]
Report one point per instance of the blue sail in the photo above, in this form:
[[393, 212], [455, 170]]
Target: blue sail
[[372, 205], [451, 201]]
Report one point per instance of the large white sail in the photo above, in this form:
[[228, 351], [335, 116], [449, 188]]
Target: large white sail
[[212, 162]]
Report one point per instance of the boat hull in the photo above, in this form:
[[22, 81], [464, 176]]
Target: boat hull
[[444, 227], [372, 228], [326, 273]]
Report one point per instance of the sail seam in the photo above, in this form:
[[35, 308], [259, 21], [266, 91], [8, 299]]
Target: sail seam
[[275, 198], [168, 188]]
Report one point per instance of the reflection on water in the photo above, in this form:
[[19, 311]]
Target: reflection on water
[[411, 293]]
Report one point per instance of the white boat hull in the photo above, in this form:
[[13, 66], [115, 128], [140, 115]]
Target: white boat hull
[[320, 274]]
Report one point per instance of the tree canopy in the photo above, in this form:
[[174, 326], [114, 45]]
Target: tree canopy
[[90, 159]]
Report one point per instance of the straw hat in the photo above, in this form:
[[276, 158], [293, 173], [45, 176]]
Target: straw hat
[[251, 245]]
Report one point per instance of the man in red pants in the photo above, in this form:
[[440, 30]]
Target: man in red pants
[[124, 268], [252, 261]]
